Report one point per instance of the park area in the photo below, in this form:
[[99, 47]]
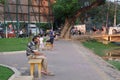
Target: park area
[[80, 39], [19, 44], [102, 49]]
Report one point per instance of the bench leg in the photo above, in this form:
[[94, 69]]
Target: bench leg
[[32, 69], [39, 69]]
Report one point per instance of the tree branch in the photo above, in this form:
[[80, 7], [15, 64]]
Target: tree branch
[[93, 5]]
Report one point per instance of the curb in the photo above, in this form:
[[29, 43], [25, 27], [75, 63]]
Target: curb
[[16, 72], [13, 52]]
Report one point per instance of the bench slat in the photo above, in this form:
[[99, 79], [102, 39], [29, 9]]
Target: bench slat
[[35, 61]]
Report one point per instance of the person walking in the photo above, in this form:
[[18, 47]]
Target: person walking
[[51, 34]]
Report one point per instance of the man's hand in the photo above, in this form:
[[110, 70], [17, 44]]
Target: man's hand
[[38, 53]]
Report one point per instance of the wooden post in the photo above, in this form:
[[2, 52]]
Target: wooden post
[[32, 66], [39, 70]]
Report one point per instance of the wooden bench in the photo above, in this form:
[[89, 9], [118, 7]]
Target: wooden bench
[[32, 63], [48, 45]]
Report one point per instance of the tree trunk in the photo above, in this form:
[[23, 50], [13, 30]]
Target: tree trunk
[[65, 33], [68, 35]]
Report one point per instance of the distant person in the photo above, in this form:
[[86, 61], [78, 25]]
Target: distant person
[[104, 30], [73, 31], [20, 33], [30, 33], [94, 29], [41, 32], [32, 52], [51, 35], [46, 39], [41, 42]]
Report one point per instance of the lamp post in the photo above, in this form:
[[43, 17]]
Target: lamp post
[[5, 18], [39, 11], [17, 17], [115, 13], [107, 15], [28, 15]]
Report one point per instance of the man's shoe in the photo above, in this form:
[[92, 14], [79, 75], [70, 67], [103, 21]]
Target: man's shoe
[[48, 73]]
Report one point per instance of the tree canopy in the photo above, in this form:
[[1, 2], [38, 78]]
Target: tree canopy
[[68, 11], [103, 14], [69, 8]]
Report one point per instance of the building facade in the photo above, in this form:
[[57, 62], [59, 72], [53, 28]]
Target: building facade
[[27, 10]]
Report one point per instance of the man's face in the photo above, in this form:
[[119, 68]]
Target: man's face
[[36, 40]]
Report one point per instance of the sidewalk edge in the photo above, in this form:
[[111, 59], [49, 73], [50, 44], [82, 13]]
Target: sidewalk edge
[[12, 52], [16, 72]]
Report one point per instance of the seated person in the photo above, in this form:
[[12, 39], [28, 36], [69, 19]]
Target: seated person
[[32, 52]]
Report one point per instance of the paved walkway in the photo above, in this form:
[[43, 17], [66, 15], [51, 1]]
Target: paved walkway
[[69, 61]]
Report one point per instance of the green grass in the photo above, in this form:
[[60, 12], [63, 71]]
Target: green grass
[[13, 44], [115, 63], [100, 49], [5, 73]]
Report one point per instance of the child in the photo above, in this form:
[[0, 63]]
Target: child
[[41, 42]]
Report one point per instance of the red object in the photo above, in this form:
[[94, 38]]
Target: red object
[[11, 35]]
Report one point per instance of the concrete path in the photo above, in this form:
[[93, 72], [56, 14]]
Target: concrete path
[[69, 61]]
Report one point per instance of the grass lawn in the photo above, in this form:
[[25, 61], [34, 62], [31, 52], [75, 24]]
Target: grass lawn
[[5, 73], [13, 44], [100, 49], [115, 63]]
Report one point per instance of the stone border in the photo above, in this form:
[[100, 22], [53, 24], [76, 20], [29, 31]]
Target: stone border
[[13, 52], [16, 72]]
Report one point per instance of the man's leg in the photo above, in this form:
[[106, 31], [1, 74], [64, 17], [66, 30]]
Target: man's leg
[[44, 62], [45, 66]]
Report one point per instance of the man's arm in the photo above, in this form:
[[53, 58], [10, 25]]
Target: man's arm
[[37, 53]]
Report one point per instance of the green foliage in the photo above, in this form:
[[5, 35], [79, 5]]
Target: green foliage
[[5, 73], [69, 7], [99, 14], [63, 9], [2, 1], [44, 26]]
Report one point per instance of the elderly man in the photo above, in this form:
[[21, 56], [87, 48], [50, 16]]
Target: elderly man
[[32, 52]]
